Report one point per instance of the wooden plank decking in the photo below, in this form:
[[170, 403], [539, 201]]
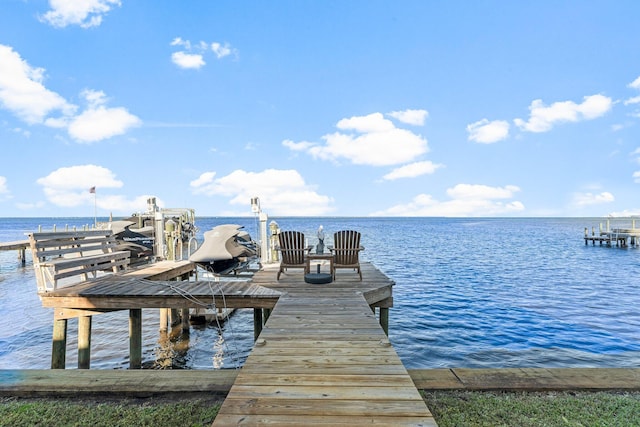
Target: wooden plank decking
[[323, 359], [150, 287], [16, 245]]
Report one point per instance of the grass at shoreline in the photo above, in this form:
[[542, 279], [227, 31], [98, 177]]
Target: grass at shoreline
[[533, 409], [450, 408], [169, 410]]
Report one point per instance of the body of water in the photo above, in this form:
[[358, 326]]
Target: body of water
[[477, 293]]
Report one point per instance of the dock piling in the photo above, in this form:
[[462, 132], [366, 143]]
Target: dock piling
[[59, 344], [84, 342], [135, 338]]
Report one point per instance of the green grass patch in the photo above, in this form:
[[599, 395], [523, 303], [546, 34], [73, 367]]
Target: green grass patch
[[449, 408], [124, 412], [534, 409]]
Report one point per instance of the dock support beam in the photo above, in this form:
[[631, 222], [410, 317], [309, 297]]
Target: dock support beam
[[84, 342], [257, 323], [174, 317], [135, 338], [59, 345], [384, 319], [185, 320], [164, 319]]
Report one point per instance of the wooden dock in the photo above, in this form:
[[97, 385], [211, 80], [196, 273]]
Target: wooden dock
[[323, 358], [151, 286], [321, 355], [624, 235], [622, 239], [19, 245]]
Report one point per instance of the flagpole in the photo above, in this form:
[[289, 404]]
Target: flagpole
[[95, 210]]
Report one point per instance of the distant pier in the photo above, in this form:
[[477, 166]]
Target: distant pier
[[19, 245], [621, 236]]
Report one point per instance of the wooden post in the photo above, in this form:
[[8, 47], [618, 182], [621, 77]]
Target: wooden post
[[135, 338], [174, 317], [84, 342], [185, 320], [59, 345], [257, 323], [384, 319], [266, 312], [164, 319]]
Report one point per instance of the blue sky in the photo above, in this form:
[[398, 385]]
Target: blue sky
[[320, 108]]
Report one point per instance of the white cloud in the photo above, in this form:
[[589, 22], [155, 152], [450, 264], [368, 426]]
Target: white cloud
[[119, 203], [625, 213], [479, 192], [80, 178], [487, 132], [297, 146], [221, 50], [69, 187], [412, 170], [281, 192], [635, 84], [30, 206], [203, 180], [373, 140], [411, 117], [631, 101], [467, 201], [85, 13], [542, 118], [187, 60], [98, 122], [192, 55], [588, 199], [636, 177], [178, 41], [371, 123], [22, 91]]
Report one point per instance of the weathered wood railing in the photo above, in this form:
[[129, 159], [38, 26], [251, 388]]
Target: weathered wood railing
[[73, 257], [69, 254]]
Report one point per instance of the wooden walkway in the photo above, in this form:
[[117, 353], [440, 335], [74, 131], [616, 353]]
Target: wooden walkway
[[322, 358]]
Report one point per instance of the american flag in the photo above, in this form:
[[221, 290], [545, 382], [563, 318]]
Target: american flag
[[92, 190]]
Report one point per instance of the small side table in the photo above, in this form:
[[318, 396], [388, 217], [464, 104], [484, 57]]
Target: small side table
[[318, 277]]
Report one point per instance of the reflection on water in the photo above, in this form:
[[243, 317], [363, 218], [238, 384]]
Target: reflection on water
[[218, 355]]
